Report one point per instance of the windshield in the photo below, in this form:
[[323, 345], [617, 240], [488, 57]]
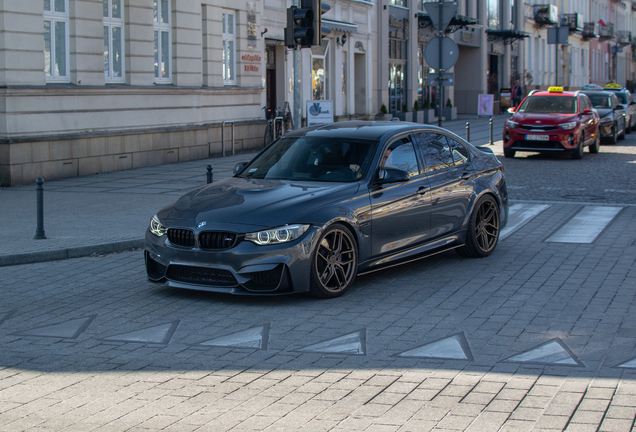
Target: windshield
[[622, 97], [600, 100], [314, 159], [550, 104]]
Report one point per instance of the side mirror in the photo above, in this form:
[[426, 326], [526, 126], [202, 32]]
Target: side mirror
[[632, 103], [587, 111], [238, 168], [619, 107], [391, 175], [512, 110]]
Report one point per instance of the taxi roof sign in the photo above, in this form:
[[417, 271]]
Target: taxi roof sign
[[555, 89], [612, 85]]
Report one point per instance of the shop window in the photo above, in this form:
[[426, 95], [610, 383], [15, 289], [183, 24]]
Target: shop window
[[319, 68], [56, 60]]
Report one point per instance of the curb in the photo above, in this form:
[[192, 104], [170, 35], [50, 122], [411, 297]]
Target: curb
[[62, 254]]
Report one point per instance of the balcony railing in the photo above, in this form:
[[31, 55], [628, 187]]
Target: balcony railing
[[589, 30], [574, 21], [606, 32], [623, 37], [546, 15]]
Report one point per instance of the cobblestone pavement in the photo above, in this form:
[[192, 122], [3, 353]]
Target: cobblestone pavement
[[541, 335]]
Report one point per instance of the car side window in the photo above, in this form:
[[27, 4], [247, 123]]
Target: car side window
[[401, 155], [459, 152], [435, 150]]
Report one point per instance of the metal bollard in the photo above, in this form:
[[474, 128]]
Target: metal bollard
[[468, 131], [39, 193], [209, 174], [491, 137]]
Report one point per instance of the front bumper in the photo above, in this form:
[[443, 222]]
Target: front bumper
[[243, 269], [558, 140], [607, 129]]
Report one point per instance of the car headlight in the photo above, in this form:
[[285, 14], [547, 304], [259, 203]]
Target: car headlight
[[157, 227], [511, 124], [607, 120], [567, 126], [276, 235]]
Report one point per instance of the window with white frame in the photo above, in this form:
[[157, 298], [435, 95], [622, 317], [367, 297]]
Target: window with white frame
[[229, 47], [56, 58], [113, 40], [163, 41]]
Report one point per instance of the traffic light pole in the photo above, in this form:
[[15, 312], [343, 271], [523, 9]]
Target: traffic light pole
[[298, 109], [439, 71]]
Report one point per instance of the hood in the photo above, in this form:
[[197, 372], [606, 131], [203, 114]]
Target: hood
[[544, 119], [604, 112], [239, 204]]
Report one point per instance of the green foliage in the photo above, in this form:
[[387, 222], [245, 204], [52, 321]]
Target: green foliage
[[383, 109], [416, 106], [449, 104], [404, 108], [426, 105]]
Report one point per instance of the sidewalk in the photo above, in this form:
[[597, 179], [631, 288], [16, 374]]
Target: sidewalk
[[106, 213]]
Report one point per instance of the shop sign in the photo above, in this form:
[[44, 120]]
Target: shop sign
[[250, 57], [319, 111], [251, 68]]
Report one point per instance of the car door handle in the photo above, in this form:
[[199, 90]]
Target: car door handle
[[422, 190], [466, 175]]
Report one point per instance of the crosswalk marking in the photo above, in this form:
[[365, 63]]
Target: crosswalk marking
[[454, 347], [586, 225], [519, 215], [552, 352], [159, 334], [353, 343], [255, 337]]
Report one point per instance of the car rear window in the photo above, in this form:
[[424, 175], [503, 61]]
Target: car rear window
[[550, 104]]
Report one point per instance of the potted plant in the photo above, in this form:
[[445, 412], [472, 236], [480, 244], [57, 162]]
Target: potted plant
[[428, 113], [408, 116], [450, 112], [383, 114], [416, 110]]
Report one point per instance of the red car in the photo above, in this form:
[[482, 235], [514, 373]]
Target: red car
[[553, 121]]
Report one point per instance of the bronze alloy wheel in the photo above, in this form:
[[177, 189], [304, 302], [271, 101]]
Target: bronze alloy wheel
[[335, 262], [483, 229]]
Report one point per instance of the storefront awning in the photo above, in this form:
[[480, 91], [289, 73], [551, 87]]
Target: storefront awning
[[458, 22], [342, 26], [507, 36]]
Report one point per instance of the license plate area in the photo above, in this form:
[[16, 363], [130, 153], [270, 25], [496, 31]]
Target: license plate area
[[538, 137]]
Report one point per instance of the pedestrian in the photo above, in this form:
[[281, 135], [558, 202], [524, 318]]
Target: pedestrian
[[517, 92]]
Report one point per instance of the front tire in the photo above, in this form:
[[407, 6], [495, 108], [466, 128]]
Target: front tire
[[594, 148], [483, 229], [578, 151], [622, 135], [509, 153], [614, 137], [334, 263]]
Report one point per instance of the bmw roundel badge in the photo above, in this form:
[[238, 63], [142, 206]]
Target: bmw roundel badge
[[201, 225]]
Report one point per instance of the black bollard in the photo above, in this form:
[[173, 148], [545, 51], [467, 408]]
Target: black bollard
[[39, 193], [468, 131], [209, 174], [491, 137]]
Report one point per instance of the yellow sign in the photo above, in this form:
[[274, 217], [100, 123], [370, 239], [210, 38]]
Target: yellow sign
[[555, 89], [613, 85]]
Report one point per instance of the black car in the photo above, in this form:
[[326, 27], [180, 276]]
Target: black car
[[627, 101], [613, 121], [325, 203]]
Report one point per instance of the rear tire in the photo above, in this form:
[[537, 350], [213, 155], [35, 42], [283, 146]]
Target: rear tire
[[334, 263], [483, 229]]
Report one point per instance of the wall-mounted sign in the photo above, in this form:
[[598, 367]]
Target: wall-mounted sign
[[251, 57], [251, 68], [319, 111]]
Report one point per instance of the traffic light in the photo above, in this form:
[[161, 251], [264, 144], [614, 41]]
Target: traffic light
[[319, 8], [300, 26]]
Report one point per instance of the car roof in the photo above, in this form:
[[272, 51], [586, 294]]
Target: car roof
[[372, 130]]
